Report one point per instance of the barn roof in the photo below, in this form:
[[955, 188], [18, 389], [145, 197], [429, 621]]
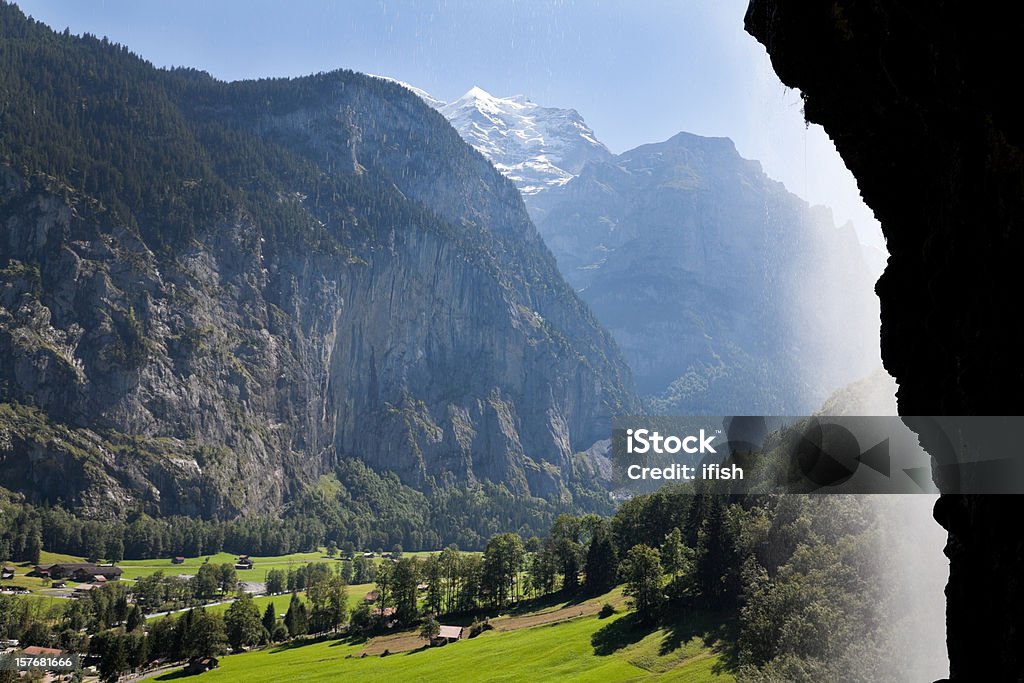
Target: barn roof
[[450, 632]]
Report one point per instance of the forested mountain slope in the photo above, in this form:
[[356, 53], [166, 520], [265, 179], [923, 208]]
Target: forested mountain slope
[[212, 294]]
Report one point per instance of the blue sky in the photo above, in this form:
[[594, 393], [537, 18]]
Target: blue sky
[[638, 71]]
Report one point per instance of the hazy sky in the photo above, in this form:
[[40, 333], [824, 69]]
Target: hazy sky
[[638, 70]]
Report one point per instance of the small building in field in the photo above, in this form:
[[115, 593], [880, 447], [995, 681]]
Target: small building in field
[[198, 665], [244, 564], [448, 633], [6, 573], [78, 571], [177, 559], [89, 572]]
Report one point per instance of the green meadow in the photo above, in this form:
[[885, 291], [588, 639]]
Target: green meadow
[[261, 565], [134, 569], [587, 648]]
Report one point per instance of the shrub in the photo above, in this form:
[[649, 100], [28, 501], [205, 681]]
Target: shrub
[[478, 627]]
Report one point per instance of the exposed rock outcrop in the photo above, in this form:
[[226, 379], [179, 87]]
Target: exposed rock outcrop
[[916, 97], [302, 270]]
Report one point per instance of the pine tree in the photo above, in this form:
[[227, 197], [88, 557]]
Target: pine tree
[[135, 618], [602, 563], [269, 618], [714, 557], [672, 552], [295, 619], [114, 660]]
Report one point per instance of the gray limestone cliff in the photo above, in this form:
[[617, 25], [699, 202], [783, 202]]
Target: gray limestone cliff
[[350, 280]]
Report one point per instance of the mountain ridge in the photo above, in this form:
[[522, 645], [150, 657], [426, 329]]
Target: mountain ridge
[[254, 281], [767, 345]]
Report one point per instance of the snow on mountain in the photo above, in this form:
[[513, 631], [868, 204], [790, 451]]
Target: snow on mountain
[[536, 147], [419, 92]]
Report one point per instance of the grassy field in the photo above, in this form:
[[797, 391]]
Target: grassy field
[[46, 557], [584, 648], [549, 640], [136, 568], [262, 564]]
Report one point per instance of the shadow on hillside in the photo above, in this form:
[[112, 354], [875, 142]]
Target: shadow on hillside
[[620, 633], [353, 639], [716, 629], [559, 600], [304, 642]]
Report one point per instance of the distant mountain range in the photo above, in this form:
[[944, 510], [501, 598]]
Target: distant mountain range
[[726, 293]]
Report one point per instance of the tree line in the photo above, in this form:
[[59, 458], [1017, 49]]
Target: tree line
[[787, 573], [387, 514]]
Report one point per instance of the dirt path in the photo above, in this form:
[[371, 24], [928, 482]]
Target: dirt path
[[514, 623], [405, 641], [393, 643]]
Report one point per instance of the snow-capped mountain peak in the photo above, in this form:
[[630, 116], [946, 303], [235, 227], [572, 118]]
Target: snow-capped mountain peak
[[536, 147]]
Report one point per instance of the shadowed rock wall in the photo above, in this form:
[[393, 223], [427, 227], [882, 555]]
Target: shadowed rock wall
[[921, 101]]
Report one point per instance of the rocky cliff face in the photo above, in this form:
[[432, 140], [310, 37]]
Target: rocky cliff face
[[916, 99], [152, 379], [349, 279], [725, 292]]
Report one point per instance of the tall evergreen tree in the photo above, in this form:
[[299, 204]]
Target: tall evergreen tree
[[672, 552], [602, 563], [269, 620], [296, 619]]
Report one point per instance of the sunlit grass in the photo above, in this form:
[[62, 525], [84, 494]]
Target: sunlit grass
[[581, 649]]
